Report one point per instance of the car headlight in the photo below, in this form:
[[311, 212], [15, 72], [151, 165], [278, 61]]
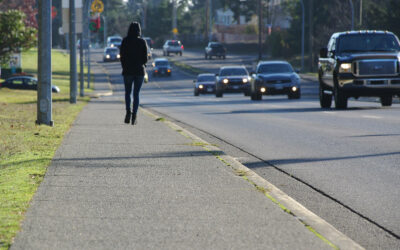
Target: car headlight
[[108, 56], [201, 86], [112, 45], [245, 80], [225, 81], [118, 56], [345, 68]]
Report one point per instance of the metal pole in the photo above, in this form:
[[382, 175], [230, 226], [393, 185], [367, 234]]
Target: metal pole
[[352, 14], [302, 34], [259, 30], [105, 24], [174, 22], [361, 10], [87, 32], [44, 105], [72, 53], [210, 17], [82, 77]]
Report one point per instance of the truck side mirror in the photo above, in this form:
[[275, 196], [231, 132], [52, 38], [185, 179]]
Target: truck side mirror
[[323, 53]]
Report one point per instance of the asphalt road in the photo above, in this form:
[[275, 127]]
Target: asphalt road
[[342, 165]]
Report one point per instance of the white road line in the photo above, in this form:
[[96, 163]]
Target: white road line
[[371, 117]]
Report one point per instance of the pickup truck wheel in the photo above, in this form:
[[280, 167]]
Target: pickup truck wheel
[[218, 93], [295, 95], [325, 100], [340, 98], [386, 100], [196, 92]]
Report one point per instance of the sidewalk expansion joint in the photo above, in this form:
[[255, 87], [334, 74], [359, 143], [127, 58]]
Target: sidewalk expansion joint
[[312, 222]]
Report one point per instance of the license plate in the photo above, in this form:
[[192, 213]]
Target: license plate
[[278, 86], [209, 89], [235, 87]]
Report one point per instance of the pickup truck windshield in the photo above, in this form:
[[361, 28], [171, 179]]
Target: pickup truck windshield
[[367, 42], [274, 68]]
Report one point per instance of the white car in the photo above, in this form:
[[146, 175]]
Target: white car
[[172, 46]]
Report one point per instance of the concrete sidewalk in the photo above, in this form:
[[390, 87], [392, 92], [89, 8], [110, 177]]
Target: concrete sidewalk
[[117, 186]]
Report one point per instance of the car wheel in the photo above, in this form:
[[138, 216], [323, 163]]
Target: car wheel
[[218, 93], [386, 100], [180, 53], [325, 100], [255, 96], [340, 98], [196, 92]]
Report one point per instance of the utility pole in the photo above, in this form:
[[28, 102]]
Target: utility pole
[[44, 101], [207, 18], [174, 22], [210, 17], [302, 34], [72, 53], [352, 14], [361, 11], [311, 40], [260, 30]]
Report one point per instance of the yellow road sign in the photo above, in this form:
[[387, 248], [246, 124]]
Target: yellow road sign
[[175, 31], [97, 6]]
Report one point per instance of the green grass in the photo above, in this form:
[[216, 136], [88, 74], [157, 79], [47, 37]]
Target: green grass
[[26, 149]]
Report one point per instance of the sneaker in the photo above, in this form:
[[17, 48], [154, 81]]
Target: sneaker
[[134, 121], [127, 117]]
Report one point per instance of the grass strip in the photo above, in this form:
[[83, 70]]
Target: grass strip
[[26, 149]]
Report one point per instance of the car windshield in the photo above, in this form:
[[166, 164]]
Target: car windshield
[[161, 63], [175, 43], [233, 72], [206, 78], [115, 40], [367, 42], [275, 68], [112, 50], [216, 45]]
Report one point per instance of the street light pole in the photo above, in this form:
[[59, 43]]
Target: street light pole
[[72, 53], [174, 22], [352, 14], [44, 105], [302, 34], [210, 21], [260, 30]]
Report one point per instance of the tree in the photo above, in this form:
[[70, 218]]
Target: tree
[[16, 35], [26, 6]]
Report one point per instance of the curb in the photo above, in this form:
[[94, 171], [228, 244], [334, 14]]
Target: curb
[[311, 221]]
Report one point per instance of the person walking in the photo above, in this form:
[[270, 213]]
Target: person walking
[[133, 54]]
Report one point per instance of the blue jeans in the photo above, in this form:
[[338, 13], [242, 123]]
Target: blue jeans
[[137, 81]]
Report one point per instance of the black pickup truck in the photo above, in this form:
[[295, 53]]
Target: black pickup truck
[[359, 63]]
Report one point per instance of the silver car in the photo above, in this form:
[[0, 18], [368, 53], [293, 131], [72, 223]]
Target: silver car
[[172, 46]]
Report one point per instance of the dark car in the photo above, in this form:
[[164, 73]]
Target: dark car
[[214, 49], [359, 63], [232, 79], [111, 54], [204, 84], [24, 82], [149, 43], [275, 78], [114, 41], [161, 67]]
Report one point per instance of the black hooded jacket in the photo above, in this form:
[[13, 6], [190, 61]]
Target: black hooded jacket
[[133, 52]]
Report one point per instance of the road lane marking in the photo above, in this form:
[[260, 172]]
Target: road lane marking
[[371, 117]]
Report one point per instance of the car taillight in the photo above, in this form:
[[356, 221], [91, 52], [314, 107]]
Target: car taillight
[[182, 47]]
